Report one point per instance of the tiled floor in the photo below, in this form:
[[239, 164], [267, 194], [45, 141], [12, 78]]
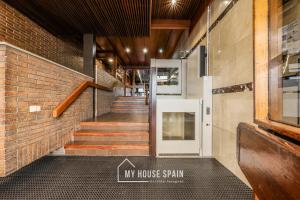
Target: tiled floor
[[96, 178]]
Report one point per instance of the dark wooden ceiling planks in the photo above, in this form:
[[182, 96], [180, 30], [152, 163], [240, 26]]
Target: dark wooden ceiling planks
[[103, 17], [164, 39], [118, 24]]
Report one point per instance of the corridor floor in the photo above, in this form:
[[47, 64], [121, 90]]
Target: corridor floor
[[55, 177]]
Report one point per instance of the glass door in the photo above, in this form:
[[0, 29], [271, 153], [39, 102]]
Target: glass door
[[178, 127]]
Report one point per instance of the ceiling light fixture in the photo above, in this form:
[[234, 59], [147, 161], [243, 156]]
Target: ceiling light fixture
[[160, 50], [145, 50], [226, 2], [127, 50], [173, 2], [110, 60]]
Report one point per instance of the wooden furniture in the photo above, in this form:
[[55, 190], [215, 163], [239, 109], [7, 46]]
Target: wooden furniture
[[270, 163], [75, 94]]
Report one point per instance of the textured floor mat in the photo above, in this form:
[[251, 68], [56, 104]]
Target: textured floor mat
[[96, 178]]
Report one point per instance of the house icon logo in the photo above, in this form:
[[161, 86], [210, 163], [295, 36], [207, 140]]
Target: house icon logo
[[120, 171]]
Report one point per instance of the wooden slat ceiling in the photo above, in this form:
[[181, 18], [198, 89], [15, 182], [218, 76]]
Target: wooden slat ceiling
[[117, 23], [165, 39], [102, 17], [184, 9]]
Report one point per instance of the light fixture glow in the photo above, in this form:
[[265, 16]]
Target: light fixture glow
[[127, 50], [145, 50], [160, 50], [226, 2], [110, 60], [173, 2]]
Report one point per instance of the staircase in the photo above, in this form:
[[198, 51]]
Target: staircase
[[123, 132], [130, 105]]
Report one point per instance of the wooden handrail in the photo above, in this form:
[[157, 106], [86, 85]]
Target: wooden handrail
[[74, 95]]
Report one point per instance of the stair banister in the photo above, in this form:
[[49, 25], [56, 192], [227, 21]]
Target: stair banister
[[63, 106]]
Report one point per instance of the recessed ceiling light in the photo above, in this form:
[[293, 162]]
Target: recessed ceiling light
[[110, 60], [160, 50], [127, 49], [226, 2], [173, 2], [145, 50]]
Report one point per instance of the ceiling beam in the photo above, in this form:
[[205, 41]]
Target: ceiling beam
[[170, 24], [112, 47]]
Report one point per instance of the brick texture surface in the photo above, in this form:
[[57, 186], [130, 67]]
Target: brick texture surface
[[105, 99], [20, 31], [27, 80]]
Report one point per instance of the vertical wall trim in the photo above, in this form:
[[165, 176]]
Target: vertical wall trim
[[96, 93], [207, 40], [153, 111]]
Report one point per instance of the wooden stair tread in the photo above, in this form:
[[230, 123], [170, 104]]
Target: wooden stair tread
[[107, 123], [84, 145], [130, 108], [122, 132], [110, 134], [130, 105], [129, 97], [129, 102]]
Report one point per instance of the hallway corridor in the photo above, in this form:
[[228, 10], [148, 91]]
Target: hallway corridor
[[150, 99], [96, 178]]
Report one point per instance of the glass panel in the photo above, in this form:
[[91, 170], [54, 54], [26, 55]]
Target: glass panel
[[167, 76], [178, 126], [284, 65]]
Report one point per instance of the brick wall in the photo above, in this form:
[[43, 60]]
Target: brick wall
[[104, 99], [20, 31], [26, 80]]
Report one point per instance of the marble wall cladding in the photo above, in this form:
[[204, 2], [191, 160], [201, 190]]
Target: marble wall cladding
[[231, 47], [231, 65], [228, 111], [189, 39], [230, 58], [216, 9]]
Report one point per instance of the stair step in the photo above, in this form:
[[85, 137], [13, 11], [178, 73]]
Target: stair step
[[129, 106], [112, 137], [130, 97], [129, 102], [128, 111], [115, 126], [89, 141], [144, 108], [83, 149]]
